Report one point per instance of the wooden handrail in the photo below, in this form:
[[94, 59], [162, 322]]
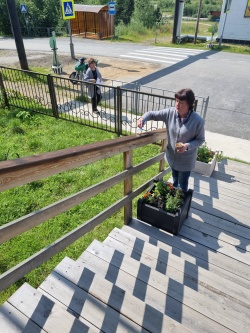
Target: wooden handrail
[[21, 171]]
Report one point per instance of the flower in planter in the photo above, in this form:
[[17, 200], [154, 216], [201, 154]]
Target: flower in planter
[[163, 195], [205, 154]]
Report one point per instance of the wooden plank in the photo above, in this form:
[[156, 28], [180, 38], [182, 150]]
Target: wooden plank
[[159, 291], [241, 179], [227, 164], [197, 251], [218, 210], [180, 269], [33, 219], [223, 195], [218, 245], [225, 226], [214, 184], [219, 236], [229, 204], [125, 303], [13, 321], [24, 170], [78, 301], [186, 251], [45, 313], [228, 198]]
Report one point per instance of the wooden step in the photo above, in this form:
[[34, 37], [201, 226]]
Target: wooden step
[[206, 235], [59, 288], [217, 208], [216, 185], [159, 249], [60, 284], [225, 165], [46, 314], [224, 195], [194, 309], [14, 321], [233, 230], [175, 267]]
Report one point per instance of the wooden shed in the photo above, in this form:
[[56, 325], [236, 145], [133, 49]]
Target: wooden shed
[[92, 22]]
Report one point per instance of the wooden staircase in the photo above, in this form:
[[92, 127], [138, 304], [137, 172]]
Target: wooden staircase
[[141, 279]]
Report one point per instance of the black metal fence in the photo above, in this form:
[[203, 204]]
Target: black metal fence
[[30, 31], [56, 96]]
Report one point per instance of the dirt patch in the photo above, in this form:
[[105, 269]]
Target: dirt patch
[[111, 68]]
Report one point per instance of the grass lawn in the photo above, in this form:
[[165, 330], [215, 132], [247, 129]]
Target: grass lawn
[[24, 134]]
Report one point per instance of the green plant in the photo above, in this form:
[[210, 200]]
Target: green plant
[[165, 196], [205, 154]]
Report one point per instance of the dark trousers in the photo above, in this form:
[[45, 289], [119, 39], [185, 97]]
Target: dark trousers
[[180, 179], [95, 100]]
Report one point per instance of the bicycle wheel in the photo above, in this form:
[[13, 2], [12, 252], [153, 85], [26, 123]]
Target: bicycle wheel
[[73, 77]]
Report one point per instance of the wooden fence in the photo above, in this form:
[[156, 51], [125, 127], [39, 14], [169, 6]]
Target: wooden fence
[[21, 171]]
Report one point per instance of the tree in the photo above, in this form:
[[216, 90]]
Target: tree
[[124, 11], [146, 13], [5, 27]]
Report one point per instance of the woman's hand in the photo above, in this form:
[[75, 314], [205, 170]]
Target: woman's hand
[[140, 122], [181, 147]]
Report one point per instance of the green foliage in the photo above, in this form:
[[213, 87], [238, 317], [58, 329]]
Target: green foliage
[[146, 13], [44, 135], [205, 154], [164, 196], [124, 11]]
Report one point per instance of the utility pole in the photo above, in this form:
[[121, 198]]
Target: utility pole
[[11, 4], [176, 16], [198, 20]]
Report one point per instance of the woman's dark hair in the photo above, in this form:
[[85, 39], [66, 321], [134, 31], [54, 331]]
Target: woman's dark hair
[[186, 95], [91, 60]]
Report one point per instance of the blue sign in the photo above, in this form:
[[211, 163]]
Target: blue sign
[[68, 9], [23, 9], [111, 6]]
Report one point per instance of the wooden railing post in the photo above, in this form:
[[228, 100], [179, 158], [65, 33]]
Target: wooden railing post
[[128, 185], [163, 148]]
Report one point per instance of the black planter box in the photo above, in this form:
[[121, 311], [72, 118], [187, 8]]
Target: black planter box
[[161, 219]]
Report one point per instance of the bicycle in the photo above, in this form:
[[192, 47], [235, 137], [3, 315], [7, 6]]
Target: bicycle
[[80, 69]]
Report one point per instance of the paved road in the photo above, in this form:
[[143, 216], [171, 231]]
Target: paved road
[[224, 77]]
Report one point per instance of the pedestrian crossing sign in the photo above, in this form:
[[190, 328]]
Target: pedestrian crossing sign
[[23, 9], [68, 9]]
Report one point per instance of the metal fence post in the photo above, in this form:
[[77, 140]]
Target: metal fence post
[[3, 91], [205, 109], [118, 119], [52, 94]]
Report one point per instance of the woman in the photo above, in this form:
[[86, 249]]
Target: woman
[[185, 133], [94, 91]]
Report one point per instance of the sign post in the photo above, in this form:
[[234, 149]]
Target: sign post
[[24, 11], [112, 12], [68, 13], [111, 7]]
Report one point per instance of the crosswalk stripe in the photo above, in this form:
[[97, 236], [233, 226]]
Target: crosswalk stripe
[[174, 49], [163, 54], [143, 58], [157, 52]]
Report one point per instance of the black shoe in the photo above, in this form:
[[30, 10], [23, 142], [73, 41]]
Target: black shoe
[[96, 111]]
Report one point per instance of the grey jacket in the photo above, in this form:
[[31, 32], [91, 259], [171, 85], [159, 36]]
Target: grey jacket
[[191, 132], [89, 76]]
